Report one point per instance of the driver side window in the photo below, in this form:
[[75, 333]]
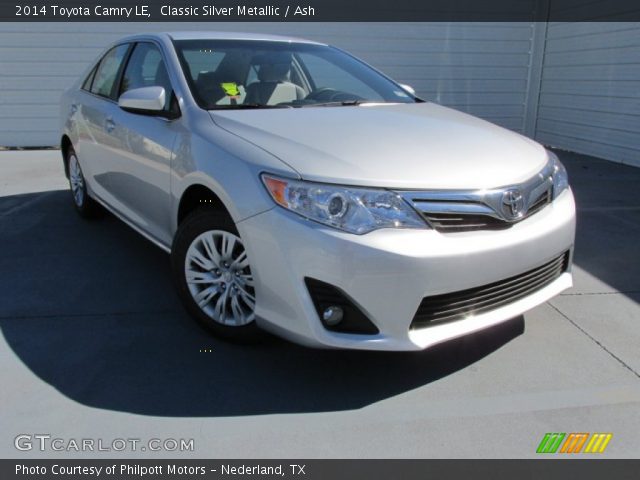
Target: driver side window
[[146, 68]]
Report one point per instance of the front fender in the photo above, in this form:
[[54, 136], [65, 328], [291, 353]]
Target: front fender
[[228, 166]]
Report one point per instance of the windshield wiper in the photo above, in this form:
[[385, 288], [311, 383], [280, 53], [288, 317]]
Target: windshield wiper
[[341, 103], [241, 106]]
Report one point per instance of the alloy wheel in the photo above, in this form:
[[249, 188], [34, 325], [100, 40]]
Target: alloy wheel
[[219, 278]]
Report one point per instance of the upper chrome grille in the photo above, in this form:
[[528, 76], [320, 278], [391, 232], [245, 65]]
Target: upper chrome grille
[[543, 200], [468, 210]]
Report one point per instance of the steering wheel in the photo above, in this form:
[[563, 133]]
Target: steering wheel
[[324, 94]]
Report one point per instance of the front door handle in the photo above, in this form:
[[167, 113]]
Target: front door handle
[[109, 125]]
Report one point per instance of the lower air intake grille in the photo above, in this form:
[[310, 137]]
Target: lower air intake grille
[[458, 305]]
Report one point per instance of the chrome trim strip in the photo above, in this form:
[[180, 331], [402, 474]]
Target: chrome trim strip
[[471, 208]]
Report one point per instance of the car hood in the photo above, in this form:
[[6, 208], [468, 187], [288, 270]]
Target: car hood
[[421, 145]]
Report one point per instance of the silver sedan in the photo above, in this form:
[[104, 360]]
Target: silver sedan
[[301, 191]]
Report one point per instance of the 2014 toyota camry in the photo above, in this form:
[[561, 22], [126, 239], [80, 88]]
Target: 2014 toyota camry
[[303, 192]]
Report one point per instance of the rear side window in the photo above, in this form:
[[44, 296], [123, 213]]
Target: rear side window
[[107, 73], [146, 68]]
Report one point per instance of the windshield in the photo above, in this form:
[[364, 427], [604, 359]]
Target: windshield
[[263, 74]]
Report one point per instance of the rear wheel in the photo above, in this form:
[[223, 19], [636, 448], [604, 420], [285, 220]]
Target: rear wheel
[[213, 275], [84, 204]]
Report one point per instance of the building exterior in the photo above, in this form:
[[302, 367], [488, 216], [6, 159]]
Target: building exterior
[[575, 86]]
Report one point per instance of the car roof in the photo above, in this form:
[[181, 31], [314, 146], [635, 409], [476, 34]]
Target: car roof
[[213, 35]]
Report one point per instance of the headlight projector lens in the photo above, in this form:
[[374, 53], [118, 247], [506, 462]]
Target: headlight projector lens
[[338, 205]]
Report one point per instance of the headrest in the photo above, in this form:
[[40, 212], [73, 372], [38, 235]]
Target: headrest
[[274, 67], [274, 73]]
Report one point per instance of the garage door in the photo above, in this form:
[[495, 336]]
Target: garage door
[[590, 91]]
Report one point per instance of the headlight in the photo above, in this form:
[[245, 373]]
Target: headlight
[[559, 175], [354, 210]]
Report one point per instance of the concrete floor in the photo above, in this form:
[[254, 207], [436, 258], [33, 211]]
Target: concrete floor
[[96, 345]]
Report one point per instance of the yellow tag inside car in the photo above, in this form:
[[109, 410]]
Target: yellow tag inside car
[[230, 89]]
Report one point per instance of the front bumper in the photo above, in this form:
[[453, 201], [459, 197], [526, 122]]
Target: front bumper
[[388, 272]]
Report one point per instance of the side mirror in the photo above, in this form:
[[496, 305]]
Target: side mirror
[[146, 100], [409, 89]]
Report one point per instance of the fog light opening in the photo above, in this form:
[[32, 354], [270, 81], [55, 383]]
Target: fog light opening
[[332, 315], [336, 311]]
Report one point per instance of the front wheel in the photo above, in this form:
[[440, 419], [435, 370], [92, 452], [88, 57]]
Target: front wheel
[[213, 275]]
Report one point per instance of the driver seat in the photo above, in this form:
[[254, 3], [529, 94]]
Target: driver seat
[[274, 86]]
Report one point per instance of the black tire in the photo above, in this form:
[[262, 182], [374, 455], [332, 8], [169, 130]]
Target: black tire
[[83, 203], [213, 222]]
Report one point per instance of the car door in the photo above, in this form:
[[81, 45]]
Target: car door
[[140, 164], [95, 108]]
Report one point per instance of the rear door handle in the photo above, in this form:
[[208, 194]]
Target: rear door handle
[[109, 125]]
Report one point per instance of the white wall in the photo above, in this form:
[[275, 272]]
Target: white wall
[[590, 90], [478, 68]]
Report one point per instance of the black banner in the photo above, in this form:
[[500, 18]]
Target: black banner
[[320, 469], [317, 10]]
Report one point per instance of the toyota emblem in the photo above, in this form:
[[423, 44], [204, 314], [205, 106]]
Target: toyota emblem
[[513, 204]]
